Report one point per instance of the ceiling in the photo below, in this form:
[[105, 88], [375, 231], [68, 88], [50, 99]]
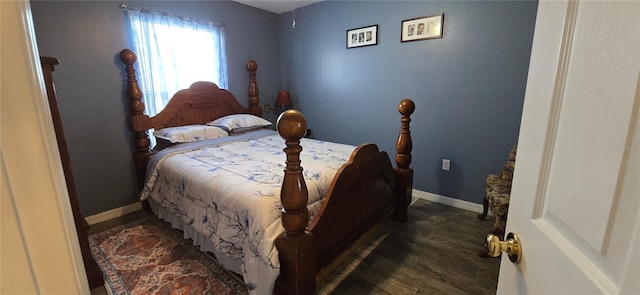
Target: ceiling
[[277, 6]]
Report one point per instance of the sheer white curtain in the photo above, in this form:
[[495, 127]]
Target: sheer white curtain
[[173, 52]]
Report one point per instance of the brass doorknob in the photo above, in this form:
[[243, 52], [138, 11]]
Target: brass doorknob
[[511, 246]]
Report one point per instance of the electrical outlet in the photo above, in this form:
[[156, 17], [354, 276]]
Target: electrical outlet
[[446, 164]]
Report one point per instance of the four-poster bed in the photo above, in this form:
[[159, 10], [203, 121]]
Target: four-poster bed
[[358, 194]]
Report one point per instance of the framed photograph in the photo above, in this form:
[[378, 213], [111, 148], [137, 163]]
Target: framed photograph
[[365, 36], [422, 28]]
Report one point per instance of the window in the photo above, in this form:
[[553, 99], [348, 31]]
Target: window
[[173, 52]]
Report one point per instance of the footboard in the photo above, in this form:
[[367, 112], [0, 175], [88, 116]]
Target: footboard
[[360, 196], [364, 191]]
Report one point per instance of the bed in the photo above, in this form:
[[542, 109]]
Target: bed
[[288, 229]]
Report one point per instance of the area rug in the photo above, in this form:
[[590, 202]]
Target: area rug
[[147, 256]]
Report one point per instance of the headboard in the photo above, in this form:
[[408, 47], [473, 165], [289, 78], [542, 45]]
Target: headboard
[[202, 102]]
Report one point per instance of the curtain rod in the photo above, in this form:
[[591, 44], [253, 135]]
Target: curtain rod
[[127, 7]]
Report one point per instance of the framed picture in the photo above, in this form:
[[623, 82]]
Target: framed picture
[[422, 28], [365, 36]]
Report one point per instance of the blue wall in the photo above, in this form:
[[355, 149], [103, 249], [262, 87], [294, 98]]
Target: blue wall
[[87, 36], [468, 86]]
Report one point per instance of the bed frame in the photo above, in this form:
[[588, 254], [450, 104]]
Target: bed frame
[[364, 191]]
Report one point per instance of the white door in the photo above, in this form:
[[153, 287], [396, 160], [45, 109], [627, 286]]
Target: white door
[[575, 202], [39, 248]]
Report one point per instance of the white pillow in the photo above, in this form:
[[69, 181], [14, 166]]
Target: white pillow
[[190, 133], [239, 122]]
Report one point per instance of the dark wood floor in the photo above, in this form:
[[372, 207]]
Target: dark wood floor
[[434, 253]]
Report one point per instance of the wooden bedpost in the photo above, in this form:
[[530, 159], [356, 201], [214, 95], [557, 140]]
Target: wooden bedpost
[[136, 107], [295, 245], [404, 184], [254, 100]]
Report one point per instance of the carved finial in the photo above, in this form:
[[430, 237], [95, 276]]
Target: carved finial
[[406, 107], [252, 66], [128, 57], [292, 125]]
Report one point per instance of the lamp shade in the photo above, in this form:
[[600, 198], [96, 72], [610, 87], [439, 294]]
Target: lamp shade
[[283, 99]]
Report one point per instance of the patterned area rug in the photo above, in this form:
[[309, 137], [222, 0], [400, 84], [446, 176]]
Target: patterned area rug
[[147, 256]]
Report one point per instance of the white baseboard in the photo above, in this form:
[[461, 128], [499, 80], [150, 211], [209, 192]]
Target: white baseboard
[[457, 203], [113, 213]]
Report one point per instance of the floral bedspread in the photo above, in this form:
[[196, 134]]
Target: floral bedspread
[[228, 190]]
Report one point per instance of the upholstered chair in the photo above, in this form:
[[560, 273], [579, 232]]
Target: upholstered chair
[[498, 193]]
